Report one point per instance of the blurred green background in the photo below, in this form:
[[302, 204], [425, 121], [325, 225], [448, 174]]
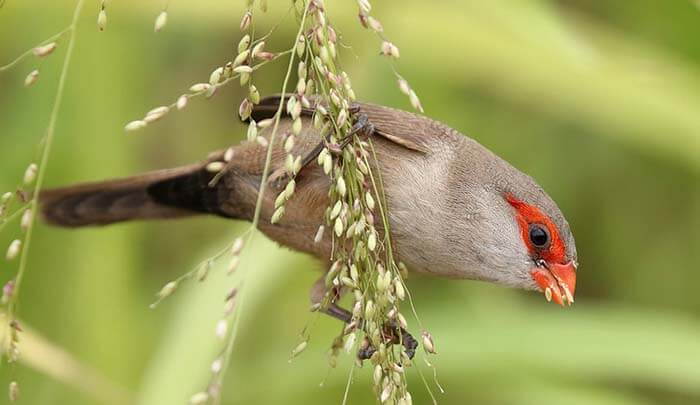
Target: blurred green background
[[598, 100]]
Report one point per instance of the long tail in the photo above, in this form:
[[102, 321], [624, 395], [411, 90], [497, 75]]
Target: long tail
[[168, 193]]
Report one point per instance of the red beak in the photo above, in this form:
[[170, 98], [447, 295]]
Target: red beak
[[557, 281]]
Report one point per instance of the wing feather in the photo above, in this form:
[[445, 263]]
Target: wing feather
[[406, 129]]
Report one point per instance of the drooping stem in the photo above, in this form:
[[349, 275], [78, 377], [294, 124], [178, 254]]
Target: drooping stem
[[278, 115], [258, 206], [28, 52], [50, 134]]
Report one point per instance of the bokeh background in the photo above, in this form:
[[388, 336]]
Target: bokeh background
[[598, 100]]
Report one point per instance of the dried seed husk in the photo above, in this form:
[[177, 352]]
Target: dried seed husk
[[161, 21]]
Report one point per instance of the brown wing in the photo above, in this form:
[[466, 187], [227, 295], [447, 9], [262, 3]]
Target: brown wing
[[400, 127]]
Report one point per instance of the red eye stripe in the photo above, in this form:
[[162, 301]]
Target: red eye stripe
[[528, 214]]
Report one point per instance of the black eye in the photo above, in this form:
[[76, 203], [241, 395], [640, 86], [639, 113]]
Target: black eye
[[539, 235]]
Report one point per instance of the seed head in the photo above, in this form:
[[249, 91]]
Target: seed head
[[342, 117], [325, 56], [264, 55], [237, 246], [327, 164], [296, 111], [215, 167], [31, 78], [299, 349], [335, 99], [340, 186], [301, 86], [310, 90], [254, 94], [399, 289], [243, 44], [102, 20], [372, 241], [203, 270], [369, 200], [404, 87], [289, 143], [365, 6], [252, 130], [289, 163], [338, 227], [428, 343], [156, 114], [135, 125], [301, 46], [199, 398], [228, 155], [44, 50], [319, 234], [277, 215], [215, 76], [181, 102], [221, 328], [167, 290], [26, 219], [30, 174], [415, 102], [240, 58], [332, 36], [200, 87], [259, 47], [297, 165], [289, 189], [8, 291], [245, 109], [245, 21], [301, 70], [159, 111], [262, 141], [161, 20], [13, 391], [233, 264], [290, 105], [228, 70], [402, 320], [389, 49], [243, 69], [296, 126], [374, 24], [386, 393], [369, 309], [377, 374], [281, 199]]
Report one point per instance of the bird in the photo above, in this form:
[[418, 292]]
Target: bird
[[455, 209]]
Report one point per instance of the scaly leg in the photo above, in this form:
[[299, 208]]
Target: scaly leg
[[389, 333]]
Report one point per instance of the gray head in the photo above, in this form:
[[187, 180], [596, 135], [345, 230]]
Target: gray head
[[504, 228]]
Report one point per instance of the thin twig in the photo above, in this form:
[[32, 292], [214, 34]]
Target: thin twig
[[259, 202], [30, 51], [50, 131], [4, 221]]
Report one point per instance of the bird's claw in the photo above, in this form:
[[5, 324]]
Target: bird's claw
[[390, 335]]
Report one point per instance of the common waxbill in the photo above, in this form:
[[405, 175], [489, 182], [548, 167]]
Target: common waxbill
[[455, 209]]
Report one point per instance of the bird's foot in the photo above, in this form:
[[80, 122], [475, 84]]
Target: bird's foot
[[393, 334]]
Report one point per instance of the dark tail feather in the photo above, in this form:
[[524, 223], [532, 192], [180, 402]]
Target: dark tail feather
[[163, 194]]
